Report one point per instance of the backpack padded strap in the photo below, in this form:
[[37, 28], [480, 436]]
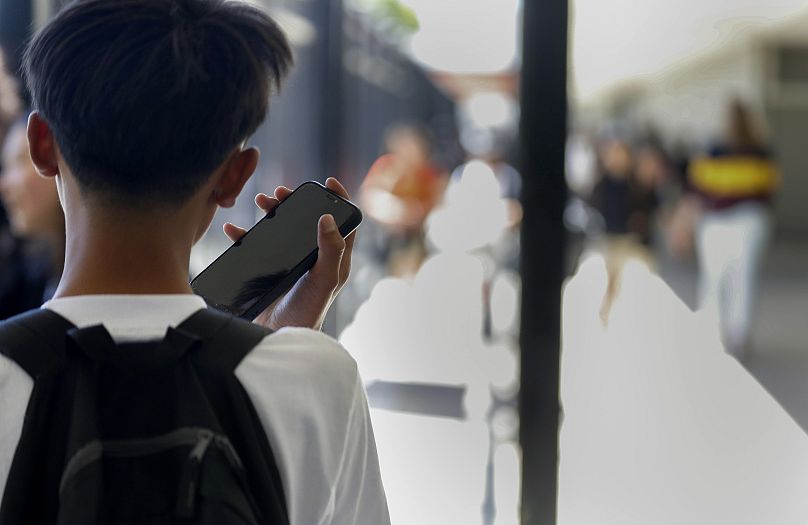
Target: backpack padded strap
[[96, 343], [35, 340], [227, 339], [94, 340]]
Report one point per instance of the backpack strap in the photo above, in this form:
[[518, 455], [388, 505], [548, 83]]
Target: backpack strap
[[221, 339], [96, 343], [35, 340], [227, 339]]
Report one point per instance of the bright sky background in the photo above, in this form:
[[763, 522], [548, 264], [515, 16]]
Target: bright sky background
[[466, 36], [618, 40], [611, 41]]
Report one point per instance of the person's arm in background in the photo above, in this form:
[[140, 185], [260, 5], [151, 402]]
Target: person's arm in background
[[681, 225]]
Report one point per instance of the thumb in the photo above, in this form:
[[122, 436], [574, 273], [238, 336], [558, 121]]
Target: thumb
[[331, 248]]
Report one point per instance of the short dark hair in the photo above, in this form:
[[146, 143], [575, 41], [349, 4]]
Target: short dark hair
[[147, 97]]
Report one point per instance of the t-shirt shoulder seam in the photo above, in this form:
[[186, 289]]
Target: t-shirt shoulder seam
[[317, 339], [316, 344]]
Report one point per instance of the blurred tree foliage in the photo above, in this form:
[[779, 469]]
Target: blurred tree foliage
[[394, 17], [398, 13]]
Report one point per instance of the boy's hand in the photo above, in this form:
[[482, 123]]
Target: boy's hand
[[307, 302]]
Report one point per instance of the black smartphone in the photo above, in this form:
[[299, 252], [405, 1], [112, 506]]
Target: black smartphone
[[275, 253]]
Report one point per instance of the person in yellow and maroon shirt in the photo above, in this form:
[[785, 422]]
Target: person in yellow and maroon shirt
[[735, 184]]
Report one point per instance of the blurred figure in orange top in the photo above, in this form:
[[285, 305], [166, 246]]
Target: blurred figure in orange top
[[398, 193]]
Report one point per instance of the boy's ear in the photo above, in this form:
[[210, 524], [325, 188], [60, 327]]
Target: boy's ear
[[42, 146], [237, 171]]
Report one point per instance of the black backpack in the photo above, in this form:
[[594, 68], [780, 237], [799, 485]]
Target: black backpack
[[138, 433]]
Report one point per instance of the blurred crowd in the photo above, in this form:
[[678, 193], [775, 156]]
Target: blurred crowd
[[638, 199], [633, 197]]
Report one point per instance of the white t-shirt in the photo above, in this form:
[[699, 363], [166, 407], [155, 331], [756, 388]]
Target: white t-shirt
[[303, 384]]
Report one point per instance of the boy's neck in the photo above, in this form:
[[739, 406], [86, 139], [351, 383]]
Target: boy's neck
[[124, 255], [56, 253]]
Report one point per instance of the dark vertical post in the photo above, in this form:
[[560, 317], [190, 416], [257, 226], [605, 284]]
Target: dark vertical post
[[543, 130]]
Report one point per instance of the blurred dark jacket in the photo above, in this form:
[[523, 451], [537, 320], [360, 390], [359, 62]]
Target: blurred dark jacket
[[625, 207], [25, 280]]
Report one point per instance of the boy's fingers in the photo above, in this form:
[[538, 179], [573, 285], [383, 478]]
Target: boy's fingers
[[265, 202], [326, 271], [349, 242], [345, 267], [233, 232], [334, 185], [281, 192]]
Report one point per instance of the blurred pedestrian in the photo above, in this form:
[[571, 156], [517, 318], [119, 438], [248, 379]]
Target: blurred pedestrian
[[627, 204], [398, 193], [735, 184], [33, 265], [31, 230]]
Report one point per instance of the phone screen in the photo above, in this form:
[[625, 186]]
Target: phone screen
[[276, 252]]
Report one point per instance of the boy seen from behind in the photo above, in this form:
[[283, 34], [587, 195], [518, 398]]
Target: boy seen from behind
[[141, 113]]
